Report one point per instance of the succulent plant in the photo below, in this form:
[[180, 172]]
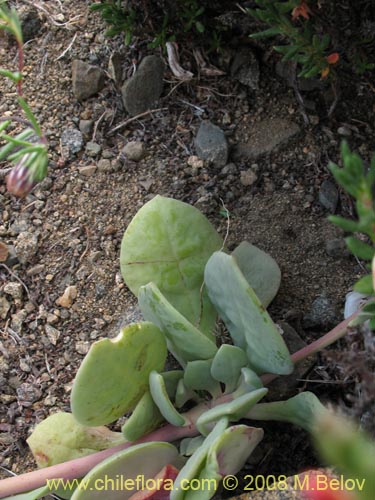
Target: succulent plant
[[175, 262]]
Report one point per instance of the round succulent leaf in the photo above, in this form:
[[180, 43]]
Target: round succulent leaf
[[248, 382], [247, 320], [60, 438], [189, 445], [198, 377], [145, 418], [114, 374], [260, 270], [32, 495], [184, 341], [169, 242], [226, 365], [146, 459], [183, 394]]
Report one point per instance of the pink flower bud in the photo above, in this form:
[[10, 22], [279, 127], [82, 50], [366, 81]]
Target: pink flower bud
[[20, 181]]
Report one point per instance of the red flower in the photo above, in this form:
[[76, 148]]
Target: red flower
[[333, 58], [302, 10]]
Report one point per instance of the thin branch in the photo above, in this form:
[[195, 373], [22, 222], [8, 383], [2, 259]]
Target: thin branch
[[133, 118]]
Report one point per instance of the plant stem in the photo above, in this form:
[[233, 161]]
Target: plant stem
[[20, 67], [79, 467]]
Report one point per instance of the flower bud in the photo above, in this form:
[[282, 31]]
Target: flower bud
[[20, 181]]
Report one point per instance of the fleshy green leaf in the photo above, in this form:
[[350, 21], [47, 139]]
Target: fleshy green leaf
[[248, 382], [227, 364], [169, 242], [364, 285], [260, 270], [198, 377], [60, 438], [145, 418], [234, 410], [143, 459], [248, 322], [184, 341], [359, 248], [32, 495], [300, 410], [114, 374], [160, 396]]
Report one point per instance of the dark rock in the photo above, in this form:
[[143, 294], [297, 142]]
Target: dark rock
[[245, 69], [86, 126], [87, 80], [287, 71], [322, 314], [144, 88], [328, 196], [211, 144], [134, 150], [337, 248], [30, 22], [115, 66], [266, 137]]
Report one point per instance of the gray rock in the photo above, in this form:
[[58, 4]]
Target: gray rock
[[248, 177], [328, 196], [337, 248], [144, 88], [26, 246], [266, 137], [245, 69], [211, 144], [52, 333], [71, 142], [93, 149], [86, 126], [4, 307], [134, 150], [87, 80], [115, 66], [104, 165], [87, 170], [14, 289], [322, 314]]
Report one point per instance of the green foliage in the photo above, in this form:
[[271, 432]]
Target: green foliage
[[359, 182], [173, 245], [350, 450], [114, 375], [172, 261], [28, 150], [120, 19], [304, 45]]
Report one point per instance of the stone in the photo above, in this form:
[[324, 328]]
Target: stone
[[4, 251], [71, 142], [115, 67], [211, 144], [26, 246], [248, 177], [104, 165], [144, 88], [337, 248], [68, 297], [245, 69], [30, 22], [13, 289], [52, 333], [18, 320], [82, 347], [266, 137], [93, 149], [86, 126], [134, 150], [322, 314], [37, 269], [4, 307], [87, 170], [288, 71], [87, 80], [195, 162], [328, 196]]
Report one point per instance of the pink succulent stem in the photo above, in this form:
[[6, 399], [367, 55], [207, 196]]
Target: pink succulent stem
[[169, 433]]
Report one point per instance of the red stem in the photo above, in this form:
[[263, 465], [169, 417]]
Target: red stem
[[169, 433]]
